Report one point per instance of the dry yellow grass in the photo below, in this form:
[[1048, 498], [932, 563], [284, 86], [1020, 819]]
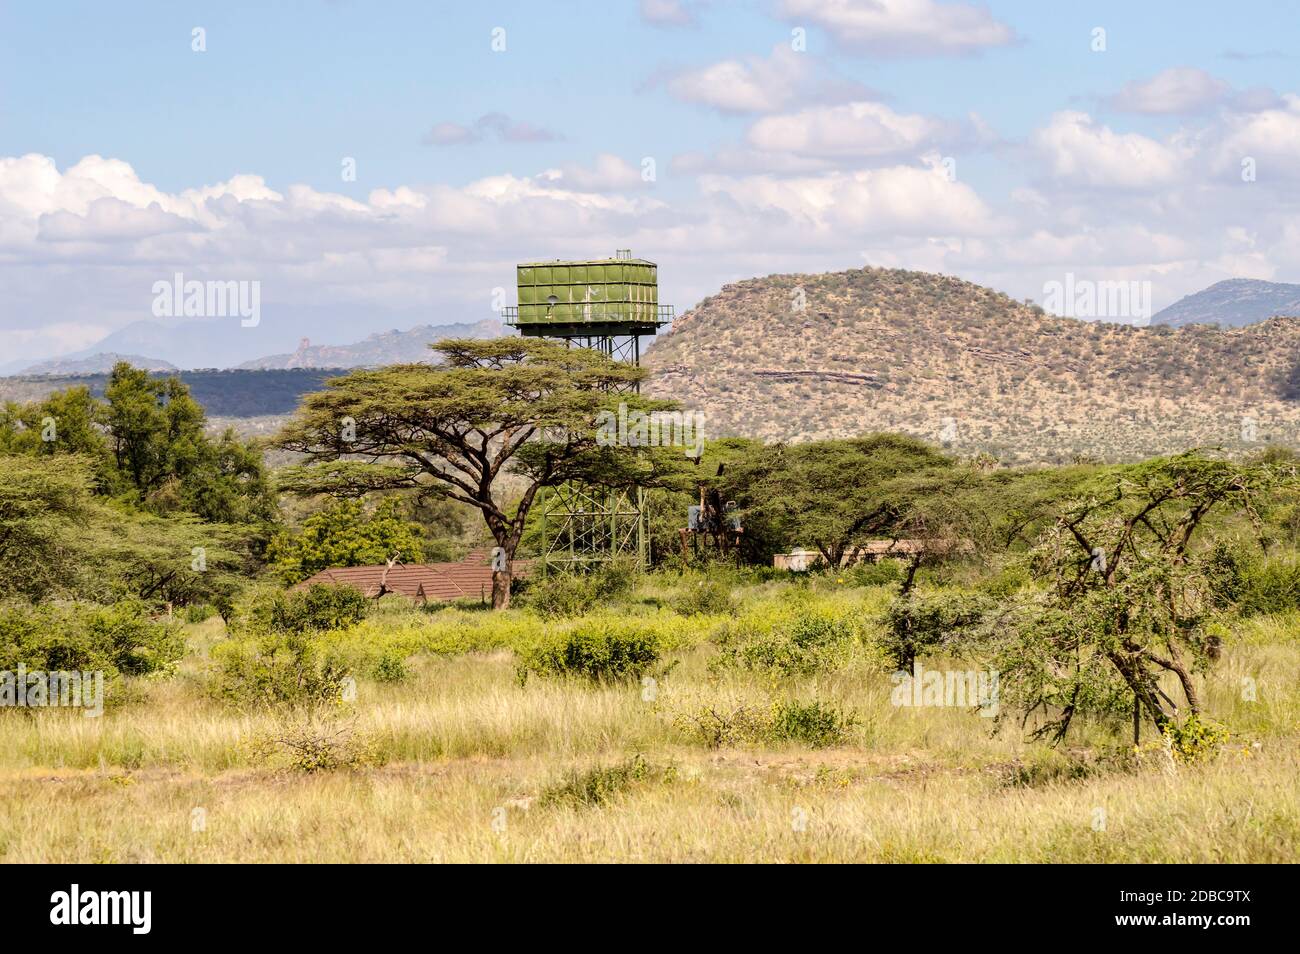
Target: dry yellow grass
[[462, 752]]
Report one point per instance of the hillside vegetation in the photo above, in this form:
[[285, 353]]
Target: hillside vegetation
[[226, 394], [950, 361]]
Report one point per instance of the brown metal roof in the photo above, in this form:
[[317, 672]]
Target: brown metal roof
[[471, 578]]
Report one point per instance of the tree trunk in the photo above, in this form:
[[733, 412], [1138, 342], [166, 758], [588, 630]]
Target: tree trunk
[[501, 587], [913, 565]]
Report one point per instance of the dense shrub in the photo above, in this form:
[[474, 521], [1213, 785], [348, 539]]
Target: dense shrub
[[574, 593], [1195, 739], [599, 650], [116, 638], [293, 669], [198, 612], [705, 597], [318, 608], [813, 723], [598, 785], [924, 622], [880, 573], [390, 667], [809, 642], [1270, 586]]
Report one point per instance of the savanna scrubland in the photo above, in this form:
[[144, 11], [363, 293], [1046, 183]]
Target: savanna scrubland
[[712, 709]]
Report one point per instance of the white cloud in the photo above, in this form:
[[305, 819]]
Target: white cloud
[[609, 173], [52, 338], [1270, 136], [898, 199], [1081, 152], [761, 84], [857, 130], [1180, 89], [902, 27], [111, 219]]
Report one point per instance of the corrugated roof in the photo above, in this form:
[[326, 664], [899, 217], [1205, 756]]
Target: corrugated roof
[[470, 578]]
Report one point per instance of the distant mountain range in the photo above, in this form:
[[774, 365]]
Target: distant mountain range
[[388, 347], [100, 363], [206, 344], [192, 343], [1234, 303], [967, 367]]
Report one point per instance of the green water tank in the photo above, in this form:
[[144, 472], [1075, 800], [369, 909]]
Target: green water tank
[[617, 295]]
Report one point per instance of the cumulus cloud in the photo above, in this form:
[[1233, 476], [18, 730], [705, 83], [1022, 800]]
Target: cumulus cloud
[[1271, 137], [496, 126], [896, 200], [609, 173], [902, 27], [857, 130], [1080, 151], [1180, 89], [762, 84]]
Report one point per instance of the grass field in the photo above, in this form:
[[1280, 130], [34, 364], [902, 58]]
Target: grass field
[[455, 760]]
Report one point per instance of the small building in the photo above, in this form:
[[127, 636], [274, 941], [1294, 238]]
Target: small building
[[800, 560], [470, 578]]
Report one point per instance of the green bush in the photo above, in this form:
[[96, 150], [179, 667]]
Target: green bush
[[881, 573], [813, 723], [318, 608], [390, 667], [715, 726], [705, 597], [923, 622], [198, 612], [303, 742], [118, 638], [599, 650], [810, 642], [598, 785], [1195, 739], [291, 669], [1270, 586], [560, 594], [574, 593]]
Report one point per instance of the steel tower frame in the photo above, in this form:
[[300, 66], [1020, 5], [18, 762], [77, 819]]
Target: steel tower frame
[[585, 525]]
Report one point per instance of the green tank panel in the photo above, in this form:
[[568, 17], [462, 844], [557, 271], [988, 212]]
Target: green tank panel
[[613, 293]]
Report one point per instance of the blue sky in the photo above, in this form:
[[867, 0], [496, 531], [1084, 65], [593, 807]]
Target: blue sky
[[766, 157]]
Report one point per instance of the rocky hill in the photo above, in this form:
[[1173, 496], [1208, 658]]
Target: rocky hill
[[799, 357], [1232, 304]]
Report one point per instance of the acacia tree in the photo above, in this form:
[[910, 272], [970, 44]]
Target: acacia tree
[[494, 416], [835, 494], [1130, 592]]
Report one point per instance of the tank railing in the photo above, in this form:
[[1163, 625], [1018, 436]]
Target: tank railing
[[599, 311]]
